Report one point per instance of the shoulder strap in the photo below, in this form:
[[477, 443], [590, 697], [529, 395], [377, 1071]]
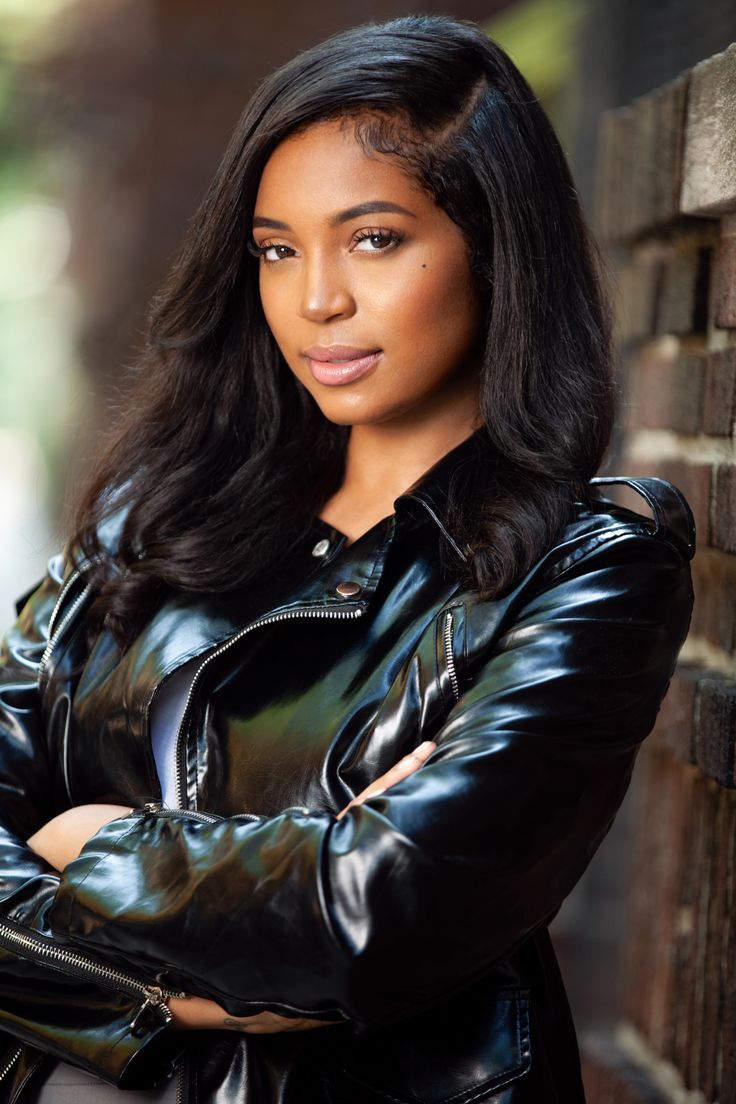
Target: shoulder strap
[[673, 517]]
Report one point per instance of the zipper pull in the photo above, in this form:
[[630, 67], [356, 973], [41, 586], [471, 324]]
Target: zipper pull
[[154, 1001], [147, 809]]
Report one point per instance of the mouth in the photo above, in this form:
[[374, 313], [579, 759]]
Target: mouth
[[338, 364], [343, 354]]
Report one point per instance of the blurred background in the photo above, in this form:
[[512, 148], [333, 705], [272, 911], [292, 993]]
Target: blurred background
[[113, 118]]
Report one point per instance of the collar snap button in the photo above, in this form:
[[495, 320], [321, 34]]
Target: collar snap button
[[321, 548], [348, 589]]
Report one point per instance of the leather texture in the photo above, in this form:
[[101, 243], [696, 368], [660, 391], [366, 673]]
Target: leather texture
[[419, 921]]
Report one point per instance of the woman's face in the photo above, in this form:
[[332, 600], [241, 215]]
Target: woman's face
[[354, 254]]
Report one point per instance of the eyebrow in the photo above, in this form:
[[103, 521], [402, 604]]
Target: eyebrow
[[371, 207]]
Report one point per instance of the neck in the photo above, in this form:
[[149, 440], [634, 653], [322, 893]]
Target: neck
[[382, 461]]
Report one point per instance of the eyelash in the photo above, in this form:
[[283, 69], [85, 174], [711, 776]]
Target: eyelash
[[394, 237]]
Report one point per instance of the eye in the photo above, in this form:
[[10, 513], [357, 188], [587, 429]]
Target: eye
[[382, 239], [266, 248], [379, 240]]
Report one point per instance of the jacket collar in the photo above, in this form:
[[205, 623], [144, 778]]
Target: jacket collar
[[420, 505], [431, 490]]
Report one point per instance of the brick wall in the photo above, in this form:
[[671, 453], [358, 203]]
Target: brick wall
[[666, 211]]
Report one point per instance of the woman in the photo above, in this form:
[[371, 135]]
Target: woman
[[350, 512]]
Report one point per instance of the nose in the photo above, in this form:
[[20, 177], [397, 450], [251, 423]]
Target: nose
[[324, 291]]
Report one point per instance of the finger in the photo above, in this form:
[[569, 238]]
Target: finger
[[268, 1024], [405, 766]]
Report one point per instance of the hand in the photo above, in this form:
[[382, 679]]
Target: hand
[[61, 839], [197, 1013], [406, 766]]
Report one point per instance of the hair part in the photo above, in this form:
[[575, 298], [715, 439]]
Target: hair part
[[221, 457]]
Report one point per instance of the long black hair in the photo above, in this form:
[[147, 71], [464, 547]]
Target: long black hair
[[222, 457]]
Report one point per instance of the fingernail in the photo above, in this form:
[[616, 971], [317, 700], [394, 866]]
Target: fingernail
[[425, 745]]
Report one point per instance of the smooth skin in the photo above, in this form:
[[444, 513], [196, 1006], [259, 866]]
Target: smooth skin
[[331, 274], [399, 282]]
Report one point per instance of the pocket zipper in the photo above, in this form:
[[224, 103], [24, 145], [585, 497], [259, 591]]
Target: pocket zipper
[[449, 657], [79, 965]]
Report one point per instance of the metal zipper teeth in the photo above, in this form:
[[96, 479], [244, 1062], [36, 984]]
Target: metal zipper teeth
[[54, 613], [11, 1062], [66, 587], [81, 966], [180, 1078], [313, 612], [159, 809], [449, 656], [20, 1091], [52, 635], [51, 643]]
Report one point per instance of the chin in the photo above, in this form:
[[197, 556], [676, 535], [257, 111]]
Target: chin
[[376, 416]]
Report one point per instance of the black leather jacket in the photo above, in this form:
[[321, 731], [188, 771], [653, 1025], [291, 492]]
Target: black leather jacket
[[418, 922]]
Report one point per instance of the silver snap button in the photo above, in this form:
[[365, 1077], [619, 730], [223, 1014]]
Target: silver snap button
[[348, 589], [321, 548]]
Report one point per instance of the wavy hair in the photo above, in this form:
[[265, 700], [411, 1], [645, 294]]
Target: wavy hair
[[219, 454]]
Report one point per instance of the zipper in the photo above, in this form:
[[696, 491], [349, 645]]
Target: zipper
[[449, 656], [53, 637], [181, 1077], [20, 1091], [11, 1062], [324, 611], [158, 808], [79, 965]]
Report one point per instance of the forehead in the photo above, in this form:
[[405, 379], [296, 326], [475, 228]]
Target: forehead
[[324, 167]]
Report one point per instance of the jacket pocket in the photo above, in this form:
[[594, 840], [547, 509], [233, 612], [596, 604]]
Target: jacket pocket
[[449, 647], [463, 1051]]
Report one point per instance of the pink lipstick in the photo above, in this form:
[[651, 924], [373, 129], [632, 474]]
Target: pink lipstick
[[335, 364]]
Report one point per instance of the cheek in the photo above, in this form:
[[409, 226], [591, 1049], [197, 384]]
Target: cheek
[[273, 305], [436, 313]]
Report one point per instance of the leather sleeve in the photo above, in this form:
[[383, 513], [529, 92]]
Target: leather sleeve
[[418, 891], [49, 997]]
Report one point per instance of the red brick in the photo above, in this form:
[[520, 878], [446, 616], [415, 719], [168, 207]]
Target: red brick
[[687, 1010], [719, 405], [719, 917], [714, 609], [725, 283], [683, 298], [667, 390], [709, 184], [715, 738], [669, 146], [724, 508], [727, 1049], [637, 290], [639, 162], [674, 728]]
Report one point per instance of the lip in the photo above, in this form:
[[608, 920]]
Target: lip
[[330, 353], [338, 372]]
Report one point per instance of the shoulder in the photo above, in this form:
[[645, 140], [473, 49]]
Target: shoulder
[[601, 522], [608, 559]]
